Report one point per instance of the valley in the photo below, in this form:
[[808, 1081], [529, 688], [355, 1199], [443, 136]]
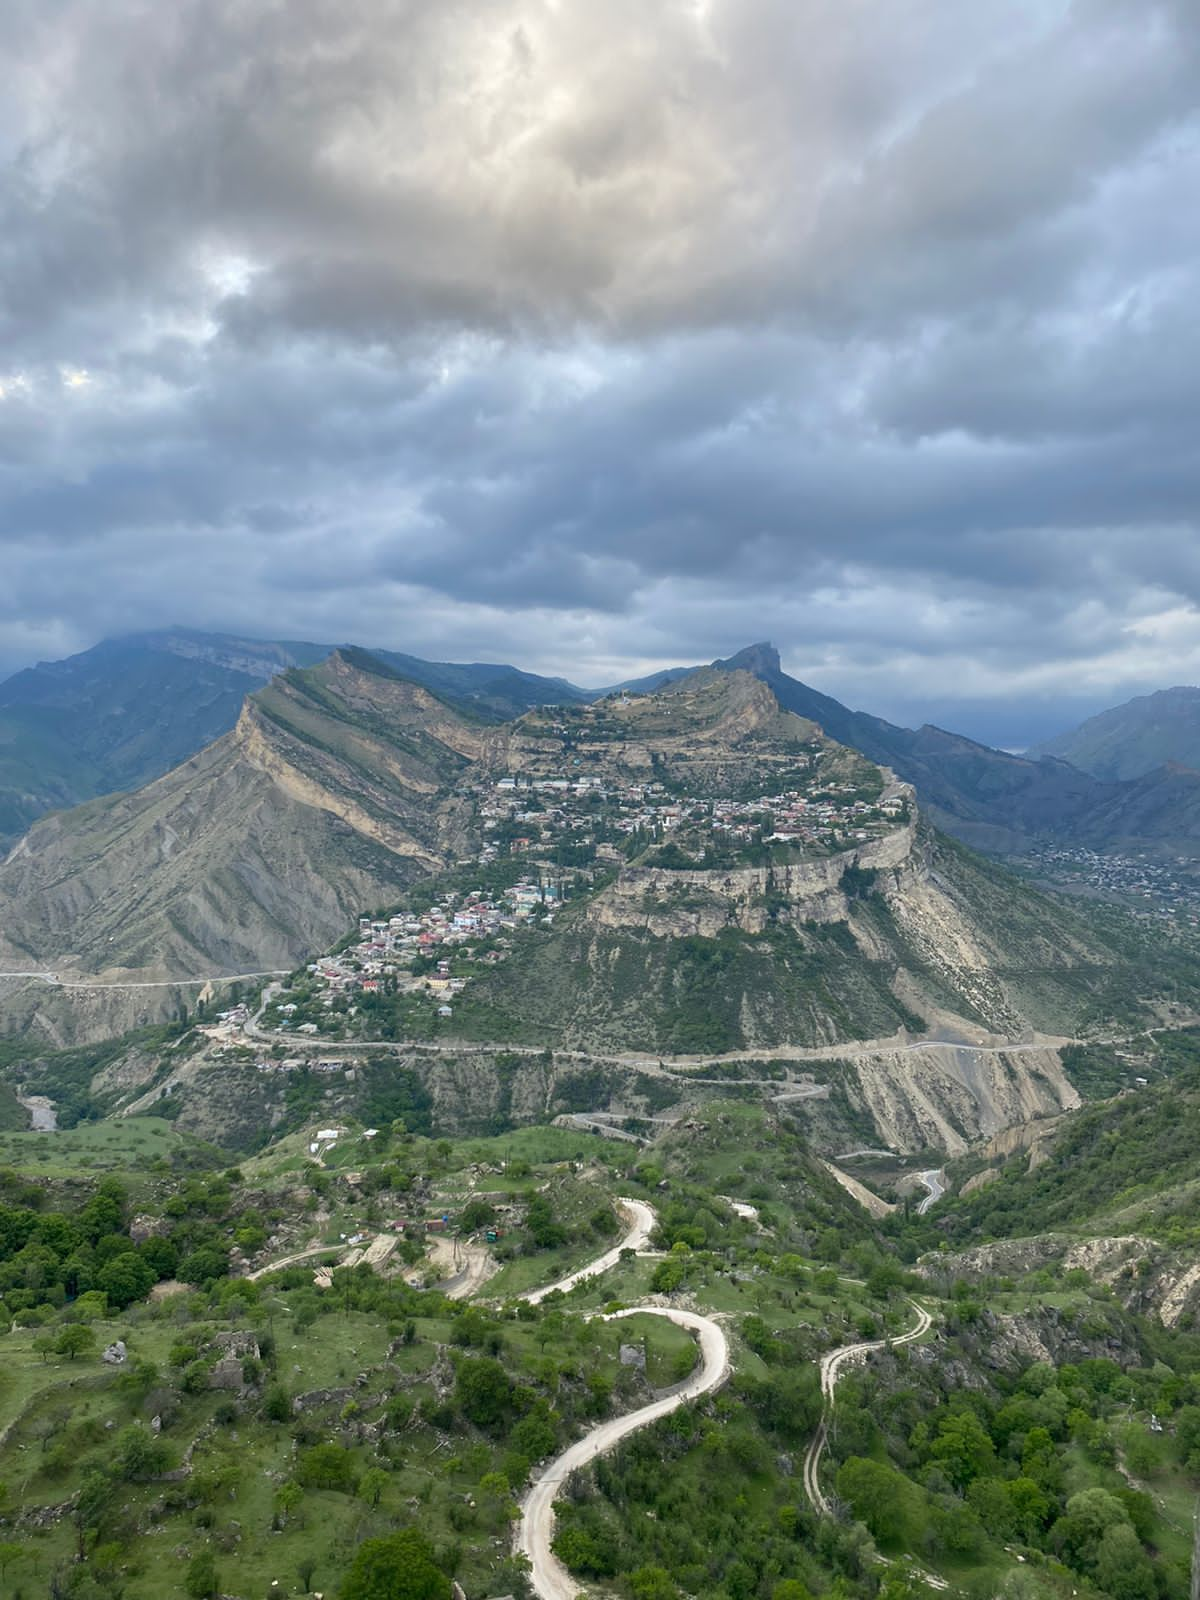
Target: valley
[[623, 1144]]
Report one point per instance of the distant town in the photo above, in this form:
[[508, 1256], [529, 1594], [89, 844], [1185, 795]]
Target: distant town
[[1166, 891]]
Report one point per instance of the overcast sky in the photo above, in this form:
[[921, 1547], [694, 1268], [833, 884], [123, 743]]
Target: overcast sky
[[601, 336]]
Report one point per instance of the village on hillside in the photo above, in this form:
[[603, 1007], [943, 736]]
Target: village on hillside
[[544, 840]]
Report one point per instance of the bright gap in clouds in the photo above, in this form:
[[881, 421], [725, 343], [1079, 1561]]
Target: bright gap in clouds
[[599, 338]]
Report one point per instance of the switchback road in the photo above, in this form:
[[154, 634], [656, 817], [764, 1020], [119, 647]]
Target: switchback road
[[933, 1182], [641, 1220], [535, 1531], [832, 1366]]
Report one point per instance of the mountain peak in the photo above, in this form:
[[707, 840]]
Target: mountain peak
[[762, 659]]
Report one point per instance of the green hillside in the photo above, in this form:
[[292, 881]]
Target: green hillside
[[1036, 961]]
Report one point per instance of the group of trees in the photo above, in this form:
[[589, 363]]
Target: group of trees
[[87, 1261], [1031, 1462]]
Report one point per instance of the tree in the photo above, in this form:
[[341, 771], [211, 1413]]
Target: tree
[[398, 1567], [327, 1466], [654, 1583], [963, 1448], [91, 1503], [1090, 1514], [9, 1552], [372, 1484], [1031, 1508], [139, 1454], [1123, 1570], [305, 1568], [125, 1278], [484, 1390], [879, 1496], [276, 1405], [74, 1340], [200, 1580], [288, 1500]]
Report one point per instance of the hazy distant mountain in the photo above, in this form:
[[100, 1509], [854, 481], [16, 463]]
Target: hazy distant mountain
[[1131, 740], [125, 712], [495, 689]]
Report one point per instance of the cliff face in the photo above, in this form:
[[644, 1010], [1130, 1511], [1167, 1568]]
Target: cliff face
[[1145, 1275], [907, 934], [330, 795], [678, 904], [948, 1097]]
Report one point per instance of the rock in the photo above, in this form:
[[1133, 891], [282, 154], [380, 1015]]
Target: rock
[[155, 1424], [237, 1343], [633, 1355], [143, 1228], [227, 1374], [115, 1353]]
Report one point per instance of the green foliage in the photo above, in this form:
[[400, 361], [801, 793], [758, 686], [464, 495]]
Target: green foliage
[[75, 1340], [483, 1390], [327, 1466], [201, 1581], [880, 1497], [399, 1567]]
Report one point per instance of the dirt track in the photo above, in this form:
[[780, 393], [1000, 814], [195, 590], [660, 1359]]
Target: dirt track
[[831, 1369], [550, 1579]]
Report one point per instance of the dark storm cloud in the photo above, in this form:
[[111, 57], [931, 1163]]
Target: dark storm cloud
[[605, 336]]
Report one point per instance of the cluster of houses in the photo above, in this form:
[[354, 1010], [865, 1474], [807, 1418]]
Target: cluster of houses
[[387, 950], [532, 818], [1169, 891], [586, 811]]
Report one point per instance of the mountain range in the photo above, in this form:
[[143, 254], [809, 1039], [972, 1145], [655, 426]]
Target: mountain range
[[125, 712], [344, 783], [1130, 741], [128, 711]]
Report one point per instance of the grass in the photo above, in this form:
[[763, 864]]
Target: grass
[[129, 1144], [671, 1352], [86, 1404]]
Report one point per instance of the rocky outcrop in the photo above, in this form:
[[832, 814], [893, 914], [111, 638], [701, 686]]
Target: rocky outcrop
[[947, 1097], [1145, 1275], [867, 1198], [677, 904]]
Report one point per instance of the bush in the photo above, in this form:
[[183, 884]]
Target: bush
[[328, 1466], [399, 1567]]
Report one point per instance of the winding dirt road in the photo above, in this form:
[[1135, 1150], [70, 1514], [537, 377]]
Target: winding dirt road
[[832, 1366], [641, 1221], [295, 1258], [535, 1531], [932, 1181]]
